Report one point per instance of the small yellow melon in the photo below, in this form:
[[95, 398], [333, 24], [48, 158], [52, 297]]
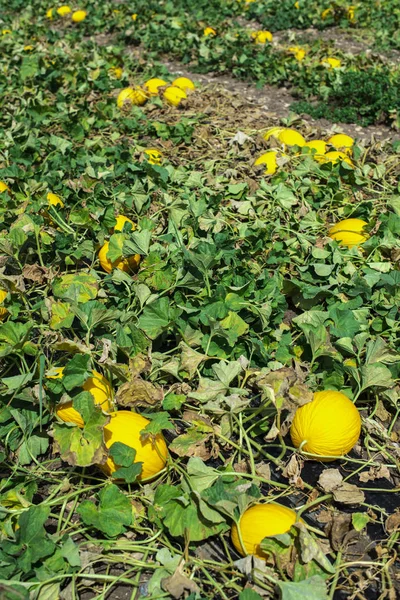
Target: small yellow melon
[[129, 95], [262, 37], [151, 86], [63, 10], [154, 156], [99, 388], [331, 62], [121, 220], [209, 31], [269, 160], [290, 137], [184, 83], [54, 200], [349, 232], [329, 425], [79, 15], [174, 95], [125, 427], [318, 145], [341, 141], [4, 187], [124, 264], [258, 522], [3, 310]]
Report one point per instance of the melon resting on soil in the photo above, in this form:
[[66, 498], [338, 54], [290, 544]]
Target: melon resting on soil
[[328, 426]]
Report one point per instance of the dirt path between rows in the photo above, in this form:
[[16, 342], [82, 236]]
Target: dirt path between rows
[[275, 102]]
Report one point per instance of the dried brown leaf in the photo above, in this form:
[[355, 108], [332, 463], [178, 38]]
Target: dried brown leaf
[[138, 392]]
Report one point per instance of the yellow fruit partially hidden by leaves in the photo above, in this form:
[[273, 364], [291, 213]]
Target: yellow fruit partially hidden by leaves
[[341, 141], [258, 522], [134, 16], [325, 13], [269, 160], [151, 86], [125, 427], [174, 95], [6, 31], [134, 96], [79, 15], [123, 264], [184, 83], [329, 425], [99, 388], [4, 187], [273, 132], [296, 5], [3, 311], [63, 10], [54, 200], [318, 145], [261, 37], [49, 13], [290, 137], [209, 31], [349, 232], [335, 157], [154, 156], [116, 72], [121, 220], [332, 63], [298, 53]]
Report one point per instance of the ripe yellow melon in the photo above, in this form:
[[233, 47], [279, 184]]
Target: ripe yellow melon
[[349, 232], [290, 137], [129, 95], [3, 310], [121, 220], [125, 427], [63, 10], [54, 200], [209, 31], [329, 425], [261, 37], [341, 141], [174, 95], [97, 385], [79, 15], [318, 145], [184, 83], [269, 160], [152, 85], [124, 264], [4, 187], [331, 62], [154, 156], [258, 522]]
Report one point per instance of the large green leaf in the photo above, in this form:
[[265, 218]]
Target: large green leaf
[[111, 515]]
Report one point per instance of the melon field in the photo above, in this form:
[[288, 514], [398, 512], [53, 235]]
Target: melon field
[[199, 300]]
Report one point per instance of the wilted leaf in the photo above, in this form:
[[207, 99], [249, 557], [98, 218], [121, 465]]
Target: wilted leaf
[[178, 583], [111, 515], [313, 588], [82, 447], [138, 392]]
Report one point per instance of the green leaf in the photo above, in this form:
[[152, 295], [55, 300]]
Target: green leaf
[[77, 287], [201, 476], [32, 542], [76, 372], [138, 243], [375, 375], [124, 457], [61, 315], [29, 67], [359, 520], [173, 401], [116, 246], [227, 372], [83, 447], [235, 326], [249, 594], [17, 381], [157, 317], [158, 422], [182, 516], [111, 515], [313, 588]]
